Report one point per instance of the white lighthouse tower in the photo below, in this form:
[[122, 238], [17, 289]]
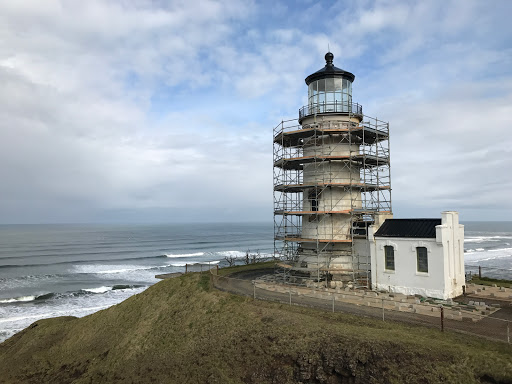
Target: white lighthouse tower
[[331, 181]]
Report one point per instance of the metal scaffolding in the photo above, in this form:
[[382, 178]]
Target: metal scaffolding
[[331, 180]]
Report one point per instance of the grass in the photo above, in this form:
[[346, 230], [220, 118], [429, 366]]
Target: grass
[[490, 282], [246, 267], [179, 330]]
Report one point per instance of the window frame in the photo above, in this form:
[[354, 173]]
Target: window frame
[[386, 256], [423, 253]]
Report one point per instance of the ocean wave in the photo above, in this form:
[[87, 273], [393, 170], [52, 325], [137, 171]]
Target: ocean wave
[[500, 250], [83, 291], [106, 269], [488, 255], [22, 299], [481, 239], [76, 262], [184, 255], [235, 254], [105, 289], [183, 263], [97, 290], [474, 250]]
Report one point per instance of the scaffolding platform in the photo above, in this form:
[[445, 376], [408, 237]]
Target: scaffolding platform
[[302, 187], [298, 162], [364, 134]]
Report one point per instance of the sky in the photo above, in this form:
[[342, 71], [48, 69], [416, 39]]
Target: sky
[[162, 111]]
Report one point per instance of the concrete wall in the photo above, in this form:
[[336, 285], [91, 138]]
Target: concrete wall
[[445, 252]]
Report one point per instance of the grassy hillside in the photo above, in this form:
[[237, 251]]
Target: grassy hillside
[[181, 331]]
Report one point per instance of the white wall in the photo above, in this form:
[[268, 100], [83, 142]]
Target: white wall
[[445, 253]]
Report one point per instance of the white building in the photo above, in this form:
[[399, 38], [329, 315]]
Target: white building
[[419, 256]]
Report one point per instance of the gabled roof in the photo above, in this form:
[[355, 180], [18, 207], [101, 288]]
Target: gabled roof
[[425, 228]]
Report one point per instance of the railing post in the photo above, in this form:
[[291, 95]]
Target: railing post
[[442, 318]]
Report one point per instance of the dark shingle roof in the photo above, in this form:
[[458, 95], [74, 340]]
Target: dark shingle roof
[[425, 228]]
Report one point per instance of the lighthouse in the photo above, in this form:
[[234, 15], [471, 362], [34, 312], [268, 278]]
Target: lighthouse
[[331, 183]]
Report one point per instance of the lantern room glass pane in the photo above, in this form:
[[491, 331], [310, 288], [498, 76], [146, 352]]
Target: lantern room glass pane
[[321, 85], [329, 85], [337, 84]]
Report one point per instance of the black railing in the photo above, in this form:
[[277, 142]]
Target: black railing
[[335, 107]]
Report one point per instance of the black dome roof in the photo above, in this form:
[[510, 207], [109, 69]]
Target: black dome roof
[[329, 71]]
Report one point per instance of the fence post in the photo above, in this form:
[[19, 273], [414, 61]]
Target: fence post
[[290, 296], [333, 299], [442, 318], [382, 309], [479, 271], [508, 332], [217, 269], [254, 290], [186, 268]]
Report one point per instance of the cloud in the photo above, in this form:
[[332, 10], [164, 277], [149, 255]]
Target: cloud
[[128, 109]]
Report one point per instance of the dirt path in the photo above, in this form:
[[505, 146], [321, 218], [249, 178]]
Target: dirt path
[[489, 327]]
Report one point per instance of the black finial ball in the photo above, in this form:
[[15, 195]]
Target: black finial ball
[[329, 57]]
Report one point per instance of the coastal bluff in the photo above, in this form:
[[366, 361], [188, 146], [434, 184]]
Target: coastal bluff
[[181, 330]]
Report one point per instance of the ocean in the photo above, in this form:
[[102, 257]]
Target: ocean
[[74, 270]]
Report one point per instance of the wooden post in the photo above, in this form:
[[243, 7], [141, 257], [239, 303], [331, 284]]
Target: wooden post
[[254, 290], [479, 271], [186, 268], [333, 298], [442, 318], [508, 332], [290, 296], [382, 309], [217, 269]]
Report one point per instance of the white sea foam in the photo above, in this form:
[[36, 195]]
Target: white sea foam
[[15, 318], [501, 250], [185, 255], [482, 239], [97, 290], [493, 254], [235, 254], [106, 269], [183, 263], [18, 299]]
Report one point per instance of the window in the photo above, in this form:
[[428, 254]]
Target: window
[[313, 198], [389, 256], [422, 259]]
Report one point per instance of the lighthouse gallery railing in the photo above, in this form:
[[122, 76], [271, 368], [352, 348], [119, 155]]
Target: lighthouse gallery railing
[[336, 106]]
